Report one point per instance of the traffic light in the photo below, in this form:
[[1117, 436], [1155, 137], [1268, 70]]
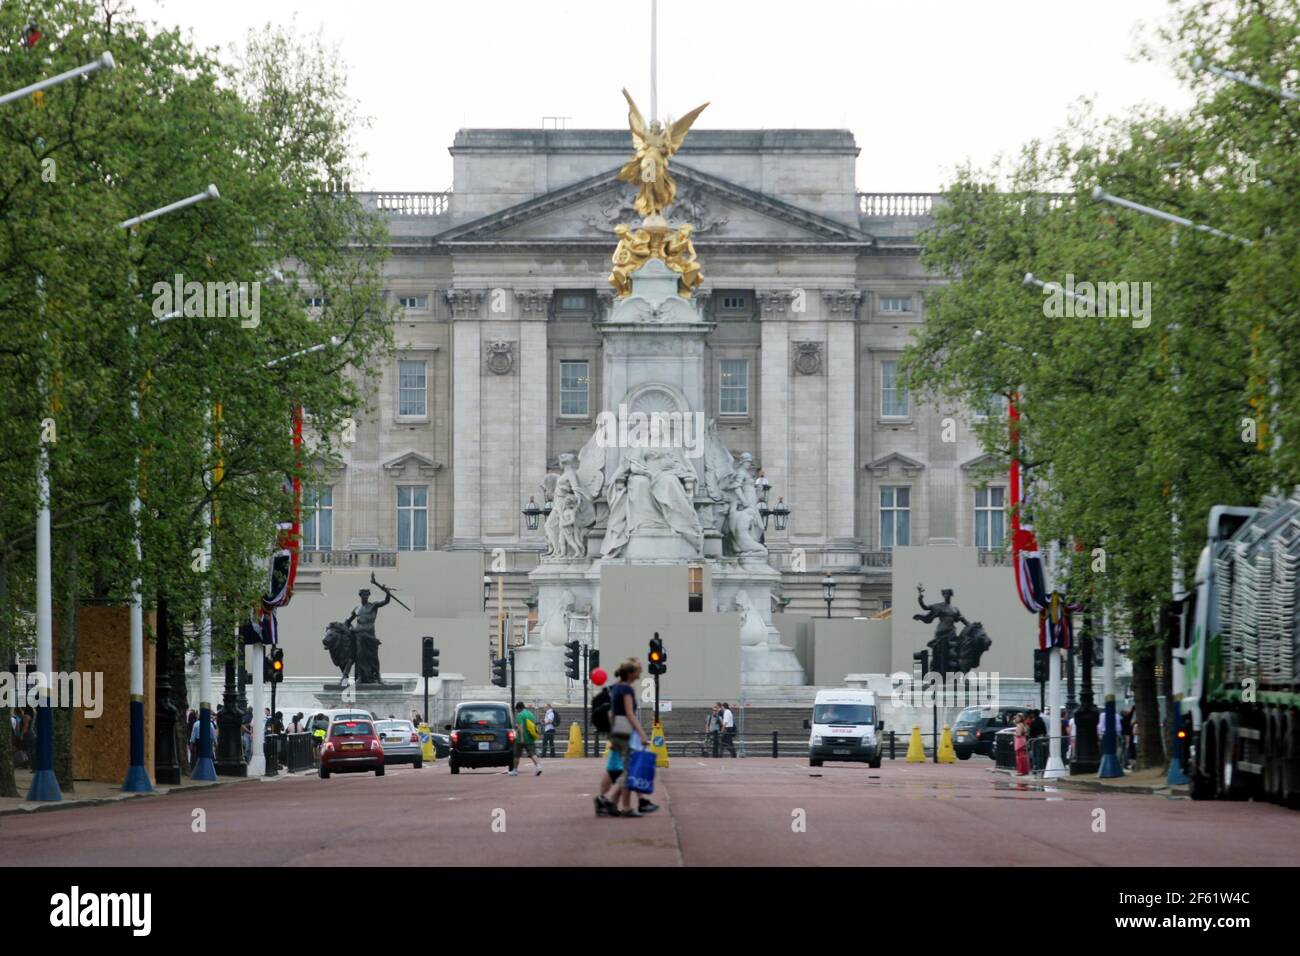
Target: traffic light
[[428, 659], [658, 656], [593, 659], [1040, 666], [277, 665], [499, 672], [572, 650]]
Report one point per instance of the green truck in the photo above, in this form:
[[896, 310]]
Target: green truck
[[1237, 663]]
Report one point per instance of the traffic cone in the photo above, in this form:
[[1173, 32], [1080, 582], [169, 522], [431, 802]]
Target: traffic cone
[[427, 750], [658, 745], [916, 749], [946, 753], [575, 742]]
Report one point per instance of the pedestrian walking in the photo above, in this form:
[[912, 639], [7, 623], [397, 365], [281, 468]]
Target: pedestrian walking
[[713, 728], [525, 739], [626, 734], [728, 729], [548, 731], [1037, 726], [1022, 746]]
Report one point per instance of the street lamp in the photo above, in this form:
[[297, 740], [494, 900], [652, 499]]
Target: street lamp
[[781, 513], [828, 592], [137, 777], [532, 514], [105, 62]]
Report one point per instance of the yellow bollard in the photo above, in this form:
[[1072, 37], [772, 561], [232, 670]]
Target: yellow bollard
[[659, 745], [916, 749], [946, 753], [575, 742], [427, 750]]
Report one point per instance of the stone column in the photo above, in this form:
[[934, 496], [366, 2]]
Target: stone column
[[774, 402], [466, 375], [841, 417]]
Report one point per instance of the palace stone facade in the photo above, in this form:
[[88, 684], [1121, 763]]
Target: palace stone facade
[[814, 288]]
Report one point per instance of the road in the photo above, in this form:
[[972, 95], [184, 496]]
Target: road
[[717, 812]]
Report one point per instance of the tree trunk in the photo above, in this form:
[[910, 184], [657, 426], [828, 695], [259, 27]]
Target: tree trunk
[[8, 786], [67, 663], [1146, 652]]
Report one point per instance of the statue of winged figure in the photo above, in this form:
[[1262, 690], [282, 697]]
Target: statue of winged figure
[[648, 169]]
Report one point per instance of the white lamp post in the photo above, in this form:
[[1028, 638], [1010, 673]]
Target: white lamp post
[[137, 776], [105, 62]]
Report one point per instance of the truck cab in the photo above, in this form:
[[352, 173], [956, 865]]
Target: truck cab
[[846, 726]]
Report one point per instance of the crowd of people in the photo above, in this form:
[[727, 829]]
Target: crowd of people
[[1030, 725]]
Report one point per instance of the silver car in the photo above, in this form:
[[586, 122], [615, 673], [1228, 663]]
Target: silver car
[[401, 742]]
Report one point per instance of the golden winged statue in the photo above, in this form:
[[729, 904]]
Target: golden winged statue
[[648, 169]]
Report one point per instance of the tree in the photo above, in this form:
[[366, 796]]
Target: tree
[[1132, 423], [271, 131]]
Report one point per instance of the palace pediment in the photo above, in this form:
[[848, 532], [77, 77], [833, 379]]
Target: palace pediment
[[723, 214]]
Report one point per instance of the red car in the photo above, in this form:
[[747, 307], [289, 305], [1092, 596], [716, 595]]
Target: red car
[[350, 746]]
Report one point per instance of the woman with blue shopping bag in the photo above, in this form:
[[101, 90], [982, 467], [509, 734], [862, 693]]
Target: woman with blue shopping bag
[[626, 735]]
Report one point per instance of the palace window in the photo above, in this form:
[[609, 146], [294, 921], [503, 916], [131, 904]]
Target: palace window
[[994, 407], [694, 588], [318, 520], [895, 303], [990, 518], [734, 304], [575, 388], [417, 303], [895, 517], [733, 386], [573, 302], [412, 388], [893, 397], [412, 517]]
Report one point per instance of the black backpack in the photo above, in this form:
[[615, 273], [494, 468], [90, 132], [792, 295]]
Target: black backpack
[[600, 711]]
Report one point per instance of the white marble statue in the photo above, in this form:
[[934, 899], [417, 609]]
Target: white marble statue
[[573, 511], [753, 632], [555, 629], [651, 490], [730, 484]]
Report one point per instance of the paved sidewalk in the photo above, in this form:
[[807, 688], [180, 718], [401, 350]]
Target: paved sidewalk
[[1151, 780], [92, 792]]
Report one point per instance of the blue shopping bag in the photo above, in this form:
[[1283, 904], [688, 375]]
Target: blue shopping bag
[[641, 771]]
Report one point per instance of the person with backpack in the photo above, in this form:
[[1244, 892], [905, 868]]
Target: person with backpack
[[526, 735], [625, 735]]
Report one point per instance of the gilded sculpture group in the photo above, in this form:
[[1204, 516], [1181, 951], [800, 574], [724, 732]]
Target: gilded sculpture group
[[654, 239]]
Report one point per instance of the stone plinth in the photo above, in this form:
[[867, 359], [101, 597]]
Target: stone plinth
[[380, 700]]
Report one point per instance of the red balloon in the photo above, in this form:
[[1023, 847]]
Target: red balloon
[[598, 676]]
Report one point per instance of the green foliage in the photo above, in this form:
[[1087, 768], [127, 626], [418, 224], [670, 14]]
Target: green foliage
[[1131, 430], [270, 130]]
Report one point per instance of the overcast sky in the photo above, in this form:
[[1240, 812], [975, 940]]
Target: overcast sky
[[923, 84]]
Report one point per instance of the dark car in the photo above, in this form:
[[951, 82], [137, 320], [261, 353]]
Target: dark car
[[441, 745], [973, 730], [351, 746], [482, 735]]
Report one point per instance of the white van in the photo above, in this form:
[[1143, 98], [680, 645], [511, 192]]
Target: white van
[[846, 726]]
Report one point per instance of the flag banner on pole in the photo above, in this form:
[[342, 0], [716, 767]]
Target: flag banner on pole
[[1054, 627]]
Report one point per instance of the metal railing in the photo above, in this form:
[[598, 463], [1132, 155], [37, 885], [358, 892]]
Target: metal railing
[[290, 752], [772, 744]]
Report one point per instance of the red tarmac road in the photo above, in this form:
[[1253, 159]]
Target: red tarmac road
[[714, 812]]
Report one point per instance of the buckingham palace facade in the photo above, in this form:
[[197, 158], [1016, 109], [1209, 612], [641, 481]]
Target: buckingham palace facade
[[813, 288]]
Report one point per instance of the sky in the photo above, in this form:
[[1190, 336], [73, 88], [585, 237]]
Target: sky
[[925, 85]]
